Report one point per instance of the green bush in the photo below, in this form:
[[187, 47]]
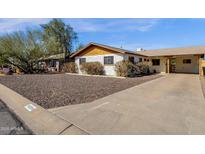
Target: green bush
[[144, 68], [70, 67], [126, 68], [93, 68]]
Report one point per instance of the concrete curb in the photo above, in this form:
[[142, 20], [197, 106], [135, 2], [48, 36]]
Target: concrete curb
[[36, 118], [102, 76]]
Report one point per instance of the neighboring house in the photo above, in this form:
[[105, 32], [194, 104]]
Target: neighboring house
[[106, 55], [52, 63], [177, 60]]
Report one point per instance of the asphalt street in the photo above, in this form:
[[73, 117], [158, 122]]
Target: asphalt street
[[9, 123]]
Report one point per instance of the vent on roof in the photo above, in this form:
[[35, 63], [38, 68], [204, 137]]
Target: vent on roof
[[139, 49]]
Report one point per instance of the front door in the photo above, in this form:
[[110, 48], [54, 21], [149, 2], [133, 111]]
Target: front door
[[172, 65]]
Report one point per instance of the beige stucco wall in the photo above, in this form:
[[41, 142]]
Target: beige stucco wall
[[201, 66], [180, 67], [161, 68], [187, 68]]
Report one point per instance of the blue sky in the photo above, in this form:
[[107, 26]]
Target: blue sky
[[128, 33]]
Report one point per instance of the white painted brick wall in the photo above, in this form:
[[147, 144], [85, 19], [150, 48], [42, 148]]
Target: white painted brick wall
[[109, 70]]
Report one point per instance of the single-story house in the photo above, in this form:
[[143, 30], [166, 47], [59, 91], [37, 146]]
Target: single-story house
[[176, 60], [106, 55], [52, 63], [172, 60]]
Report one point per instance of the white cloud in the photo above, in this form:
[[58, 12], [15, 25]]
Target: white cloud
[[112, 25], [10, 25], [83, 25]]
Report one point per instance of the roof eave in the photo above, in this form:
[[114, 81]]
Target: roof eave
[[77, 52], [175, 55], [105, 47], [136, 54]]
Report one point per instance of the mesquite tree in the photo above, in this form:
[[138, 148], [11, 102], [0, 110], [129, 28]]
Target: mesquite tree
[[58, 37], [22, 50]]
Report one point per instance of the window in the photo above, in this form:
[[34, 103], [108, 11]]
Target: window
[[140, 59], [155, 62], [132, 59], [108, 60], [52, 63], [82, 60], [186, 61]]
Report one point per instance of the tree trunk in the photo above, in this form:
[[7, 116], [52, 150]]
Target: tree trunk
[[17, 66], [65, 54]]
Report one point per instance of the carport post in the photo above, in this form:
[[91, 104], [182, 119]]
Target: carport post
[[167, 66], [201, 66]]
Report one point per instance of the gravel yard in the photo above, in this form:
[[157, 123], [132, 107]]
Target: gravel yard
[[57, 90]]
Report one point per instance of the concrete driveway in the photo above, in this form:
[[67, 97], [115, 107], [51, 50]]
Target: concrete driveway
[[173, 104]]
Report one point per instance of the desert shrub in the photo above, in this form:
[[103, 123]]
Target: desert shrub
[[1, 71], [70, 67], [144, 68], [7, 71], [93, 68], [126, 68]]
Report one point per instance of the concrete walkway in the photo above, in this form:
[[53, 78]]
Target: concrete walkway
[[173, 104]]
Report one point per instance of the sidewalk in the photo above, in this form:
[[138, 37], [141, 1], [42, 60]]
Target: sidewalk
[[37, 119]]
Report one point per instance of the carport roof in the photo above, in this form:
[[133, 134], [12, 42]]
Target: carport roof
[[56, 56], [195, 50]]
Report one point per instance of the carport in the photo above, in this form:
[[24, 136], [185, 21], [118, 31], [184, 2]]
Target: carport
[[183, 64], [177, 60]]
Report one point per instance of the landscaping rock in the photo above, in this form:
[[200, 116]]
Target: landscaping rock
[[50, 91]]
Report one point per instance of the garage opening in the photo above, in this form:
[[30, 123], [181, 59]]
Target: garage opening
[[184, 64]]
